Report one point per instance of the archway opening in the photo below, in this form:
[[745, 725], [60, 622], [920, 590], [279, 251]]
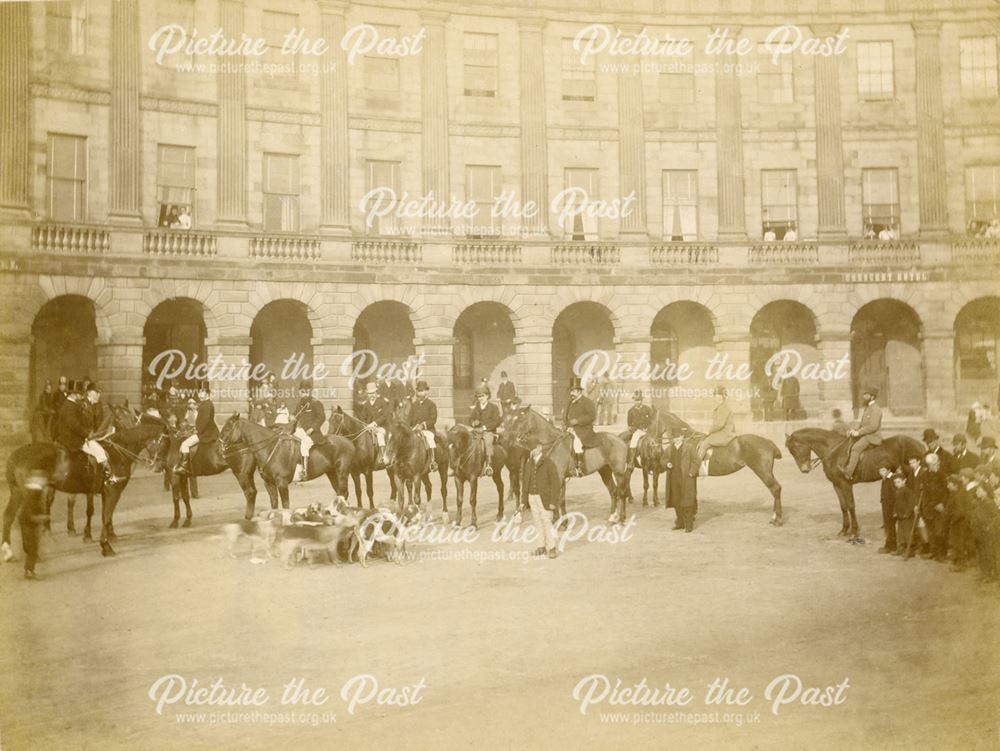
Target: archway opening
[[886, 352]]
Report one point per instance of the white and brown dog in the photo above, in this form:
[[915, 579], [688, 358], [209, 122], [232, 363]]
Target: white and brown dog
[[261, 532]]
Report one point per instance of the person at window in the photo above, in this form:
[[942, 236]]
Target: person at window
[[184, 219], [993, 230], [769, 236], [790, 235], [173, 220], [869, 232], [887, 233]]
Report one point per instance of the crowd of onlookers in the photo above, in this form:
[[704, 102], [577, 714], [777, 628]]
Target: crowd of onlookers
[[979, 228]]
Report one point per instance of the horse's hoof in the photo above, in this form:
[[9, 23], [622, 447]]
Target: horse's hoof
[[8, 553], [613, 518], [87, 537], [71, 531], [500, 516], [107, 551], [644, 502], [187, 523], [516, 519], [173, 524], [30, 574]]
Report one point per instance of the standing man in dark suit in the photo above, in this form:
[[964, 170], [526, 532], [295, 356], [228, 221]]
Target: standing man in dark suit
[[684, 483], [934, 447], [904, 502], [205, 428], [868, 433], [580, 414], [963, 458], [540, 488], [506, 392], [887, 497]]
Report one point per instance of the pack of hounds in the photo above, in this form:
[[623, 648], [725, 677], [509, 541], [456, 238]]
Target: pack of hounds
[[337, 532]]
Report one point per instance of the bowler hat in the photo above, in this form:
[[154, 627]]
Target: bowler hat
[[637, 394], [987, 442], [481, 390], [930, 435], [873, 390], [305, 386], [93, 387], [371, 388], [959, 438], [422, 386]]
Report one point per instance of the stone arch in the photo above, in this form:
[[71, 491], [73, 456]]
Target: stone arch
[[485, 345], [176, 324], [783, 326], [683, 332], [581, 326], [281, 339], [64, 339], [218, 321], [887, 351], [976, 351], [94, 289], [386, 329]]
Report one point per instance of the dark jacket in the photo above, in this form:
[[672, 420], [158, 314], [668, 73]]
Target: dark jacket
[[541, 479], [205, 425], [425, 412], [580, 416], [506, 392], [968, 459], [904, 501], [72, 426], [933, 491], [947, 460], [379, 413], [487, 417], [683, 476], [309, 415], [101, 418], [640, 416], [887, 495]]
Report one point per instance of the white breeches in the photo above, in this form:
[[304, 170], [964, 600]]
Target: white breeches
[[543, 522], [637, 436], [379, 436], [189, 443], [429, 437], [305, 442], [577, 443], [96, 450]]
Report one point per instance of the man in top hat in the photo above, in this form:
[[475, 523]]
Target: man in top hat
[[73, 428], [423, 417], [484, 416], [376, 412], [639, 416], [308, 417], [506, 392], [722, 431], [868, 433], [204, 426], [934, 446], [962, 457], [580, 414]]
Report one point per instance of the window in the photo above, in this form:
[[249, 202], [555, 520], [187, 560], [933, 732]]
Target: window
[[779, 214], [480, 73], [680, 205], [276, 27], [482, 186], [381, 73], [880, 202], [982, 197], [180, 12], [281, 192], [581, 225], [175, 186], [677, 83], [66, 27], [875, 71], [978, 62], [67, 178], [579, 80], [382, 175], [977, 350], [774, 81]]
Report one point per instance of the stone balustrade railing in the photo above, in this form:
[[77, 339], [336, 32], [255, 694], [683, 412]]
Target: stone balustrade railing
[[281, 247], [70, 238], [976, 250], [486, 252], [386, 251], [884, 253], [182, 243], [585, 254], [684, 254], [784, 254]]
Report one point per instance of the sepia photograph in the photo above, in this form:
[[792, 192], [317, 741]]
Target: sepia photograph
[[548, 374]]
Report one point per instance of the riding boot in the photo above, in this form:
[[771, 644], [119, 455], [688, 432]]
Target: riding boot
[[578, 465], [184, 465], [108, 476]]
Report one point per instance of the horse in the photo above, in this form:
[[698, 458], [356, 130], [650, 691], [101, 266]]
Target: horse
[[35, 471], [276, 454], [441, 454], [468, 457], [516, 456], [366, 459], [652, 459], [409, 460], [831, 450], [746, 450], [210, 459], [608, 460]]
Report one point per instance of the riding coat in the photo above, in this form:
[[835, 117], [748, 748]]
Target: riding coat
[[72, 427], [204, 424], [505, 393], [102, 419], [379, 413], [487, 417], [423, 411], [723, 428], [541, 479], [871, 424], [309, 414], [640, 416], [580, 415]]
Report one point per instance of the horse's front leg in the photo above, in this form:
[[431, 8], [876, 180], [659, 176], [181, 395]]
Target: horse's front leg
[[842, 499], [359, 499], [107, 509], [282, 487], [87, 532], [459, 500], [473, 497], [9, 514], [71, 513], [176, 491], [249, 488], [854, 529], [50, 497]]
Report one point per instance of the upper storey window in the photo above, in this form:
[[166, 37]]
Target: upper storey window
[[875, 70], [978, 61], [480, 69]]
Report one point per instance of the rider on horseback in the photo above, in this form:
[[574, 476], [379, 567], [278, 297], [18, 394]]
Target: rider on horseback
[[376, 412], [485, 419], [423, 416], [579, 418], [205, 429], [868, 433], [723, 430], [309, 416], [74, 428], [639, 417]]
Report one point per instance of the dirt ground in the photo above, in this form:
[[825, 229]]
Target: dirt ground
[[497, 647]]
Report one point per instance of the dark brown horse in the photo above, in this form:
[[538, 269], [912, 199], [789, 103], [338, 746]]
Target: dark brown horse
[[37, 470], [516, 456], [467, 451], [366, 460], [608, 460], [652, 456], [441, 457], [831, 450], [409, 460], [276, 454]]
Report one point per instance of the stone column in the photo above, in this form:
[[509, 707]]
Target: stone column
[[437, 351], [939, 356], [829, 144], [335, 183], [832, 346], [931, 167], [125, 133], [229, 396], [534, 138], [232, 125], [631, 149], [15, 59], [434, 106], [535, 356], [336, 388], [729, 148], [119, 368]]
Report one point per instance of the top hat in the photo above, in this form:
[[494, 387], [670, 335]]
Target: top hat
[[371, 388], [422, 386], [575, 384], [91, 386], [74, 386], [930, 435], [987, 442]]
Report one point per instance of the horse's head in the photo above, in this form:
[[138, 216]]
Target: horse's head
[[335, 424], [801, 452], [397, 440], [530, 428], [231, 431]]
